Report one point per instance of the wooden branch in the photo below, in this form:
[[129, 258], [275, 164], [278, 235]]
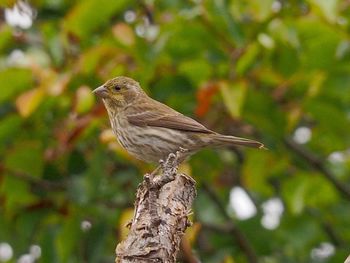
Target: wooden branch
[[162, 206]]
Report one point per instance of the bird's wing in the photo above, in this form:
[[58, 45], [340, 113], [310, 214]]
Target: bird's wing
[[160, 115]]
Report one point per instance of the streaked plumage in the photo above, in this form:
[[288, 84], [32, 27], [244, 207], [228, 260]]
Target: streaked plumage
[[150, 130]]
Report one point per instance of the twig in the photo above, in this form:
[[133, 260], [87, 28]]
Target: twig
[[38, 182], [327, 227], [241, 239], [318, 164], [333, 236], [227, 44]]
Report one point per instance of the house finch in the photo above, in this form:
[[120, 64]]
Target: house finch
[[150, 130]]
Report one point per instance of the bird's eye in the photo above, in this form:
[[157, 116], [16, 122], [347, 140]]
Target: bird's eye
[[117, 88]]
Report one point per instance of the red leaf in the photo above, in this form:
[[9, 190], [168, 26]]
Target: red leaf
[[204, 98]]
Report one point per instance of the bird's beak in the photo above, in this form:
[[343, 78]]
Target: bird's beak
[[101, 92]]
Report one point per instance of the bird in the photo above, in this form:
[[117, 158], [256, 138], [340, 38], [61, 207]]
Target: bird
[[150, 130]]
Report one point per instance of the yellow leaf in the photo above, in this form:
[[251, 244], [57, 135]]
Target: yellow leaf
[[229, 259], [7, 3], [185, 168], [233, 95], [28, 101], [316, 83], [85, 99], [124, 34], [110, 139], [125, 219], [192, 232], [328, 8], [107, 136], [58, 84], [293, 117]]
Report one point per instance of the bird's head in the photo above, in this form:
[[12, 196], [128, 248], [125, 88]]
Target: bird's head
[[119, 91]]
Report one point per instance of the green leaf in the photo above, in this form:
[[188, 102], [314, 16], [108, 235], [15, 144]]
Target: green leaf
[[332, 124], [68, 238], [198, 71], [95, 57], [17, 194], [247, 60], [26, 157], [13, 81], [233, 95], [5, 37], [221, 17], [189, 47], [49, 250], [256, 10], [8, 126], [210, 213], [308, 189], [260, 109], [84, 99], [319, 44], [256, 170], [96, 242], [87, 16], [329, 8], [305, 235]]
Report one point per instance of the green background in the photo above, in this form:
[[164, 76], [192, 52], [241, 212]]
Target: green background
[[267, 70]]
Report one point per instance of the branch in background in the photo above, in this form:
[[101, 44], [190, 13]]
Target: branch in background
[[227, 43], [148, 10], [162, 206], [39, 182], [327, 228], [318, 165], [333, 236], [241, 239]]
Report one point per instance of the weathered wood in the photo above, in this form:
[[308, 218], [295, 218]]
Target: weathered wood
[[162, 206]]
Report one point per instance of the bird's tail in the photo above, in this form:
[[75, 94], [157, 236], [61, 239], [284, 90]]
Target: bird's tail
[[227, 140]]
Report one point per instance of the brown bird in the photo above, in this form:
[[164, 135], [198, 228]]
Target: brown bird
[[150, 130]]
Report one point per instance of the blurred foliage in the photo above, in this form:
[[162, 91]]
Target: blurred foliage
[[259, 69]]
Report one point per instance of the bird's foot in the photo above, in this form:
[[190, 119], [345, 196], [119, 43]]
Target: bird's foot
[[154, 184], [170, 165]]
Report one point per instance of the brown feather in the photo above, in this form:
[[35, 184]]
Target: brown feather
[[160, 115]]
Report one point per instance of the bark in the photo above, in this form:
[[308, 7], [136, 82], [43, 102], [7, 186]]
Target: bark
[[162, 206]]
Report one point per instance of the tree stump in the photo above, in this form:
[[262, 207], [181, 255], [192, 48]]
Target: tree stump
[[160, 219]]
